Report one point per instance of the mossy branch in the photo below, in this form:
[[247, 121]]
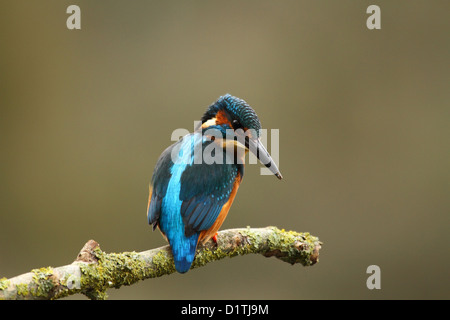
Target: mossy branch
[[94, 271]]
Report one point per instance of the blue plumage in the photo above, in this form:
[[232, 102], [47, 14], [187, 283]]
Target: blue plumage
[[184, 202], [190, 199], [171, 223]]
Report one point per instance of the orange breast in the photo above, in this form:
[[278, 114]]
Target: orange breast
[[221, 118]]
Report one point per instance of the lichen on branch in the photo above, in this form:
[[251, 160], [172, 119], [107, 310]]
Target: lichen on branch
[[94, 271]]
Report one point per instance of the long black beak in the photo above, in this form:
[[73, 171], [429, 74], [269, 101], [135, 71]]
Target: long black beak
[[258, 149]]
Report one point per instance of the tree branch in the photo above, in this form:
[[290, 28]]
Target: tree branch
[[94, 271]]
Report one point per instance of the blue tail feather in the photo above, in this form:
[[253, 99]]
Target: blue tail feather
[[183, 250], [170, 220]]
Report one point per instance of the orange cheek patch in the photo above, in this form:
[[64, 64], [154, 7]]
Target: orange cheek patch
[[221, 118]]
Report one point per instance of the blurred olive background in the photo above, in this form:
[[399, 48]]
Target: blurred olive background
[[364, 140]]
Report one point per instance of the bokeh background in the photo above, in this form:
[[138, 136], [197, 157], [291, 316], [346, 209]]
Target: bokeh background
[[364, 137]]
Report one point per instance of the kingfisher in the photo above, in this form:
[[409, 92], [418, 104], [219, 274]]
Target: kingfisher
[[195, 180]]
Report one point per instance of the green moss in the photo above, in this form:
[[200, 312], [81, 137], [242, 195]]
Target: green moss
[[114, 270], [4, 283], [253, 239], [42, 274], [250, 244], [22, 289], [163, 262], [293, 247], [206, 255], [43, 280]]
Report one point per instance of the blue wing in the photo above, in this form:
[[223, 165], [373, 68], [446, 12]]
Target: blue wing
[[158, 186], [199, 213], [187, 198], [204, 190]]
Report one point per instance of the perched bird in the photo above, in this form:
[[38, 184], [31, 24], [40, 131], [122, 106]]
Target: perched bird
[[196, 179]]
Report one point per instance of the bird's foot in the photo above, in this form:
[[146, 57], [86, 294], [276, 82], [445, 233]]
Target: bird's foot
[[214, 238]]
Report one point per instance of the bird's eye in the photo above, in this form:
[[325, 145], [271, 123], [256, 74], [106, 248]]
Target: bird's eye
[[236, 124]]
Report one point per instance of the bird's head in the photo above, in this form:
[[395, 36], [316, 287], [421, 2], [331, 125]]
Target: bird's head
[[230, 113]]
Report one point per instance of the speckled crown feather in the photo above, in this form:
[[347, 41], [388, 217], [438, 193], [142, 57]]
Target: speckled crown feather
[[237, 109]]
